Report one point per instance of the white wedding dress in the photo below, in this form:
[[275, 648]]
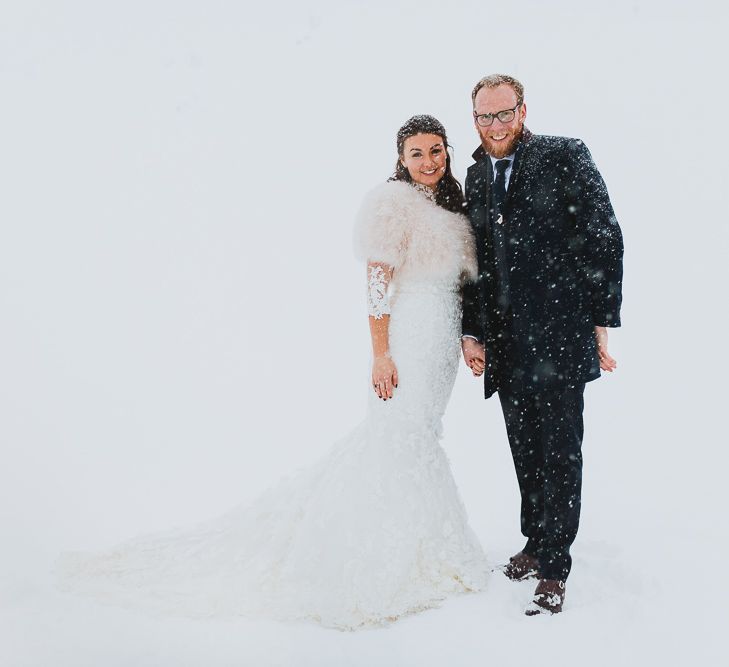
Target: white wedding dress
[[376, 528]]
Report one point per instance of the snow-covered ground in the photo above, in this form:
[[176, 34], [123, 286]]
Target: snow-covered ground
[[182, 321]]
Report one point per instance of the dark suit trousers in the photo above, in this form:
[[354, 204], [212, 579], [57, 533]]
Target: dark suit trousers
[[545, 434]]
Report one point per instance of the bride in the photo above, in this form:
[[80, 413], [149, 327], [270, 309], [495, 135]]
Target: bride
[[376, 528]]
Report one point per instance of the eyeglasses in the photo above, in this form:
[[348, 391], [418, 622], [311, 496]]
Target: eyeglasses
[[505, 116]]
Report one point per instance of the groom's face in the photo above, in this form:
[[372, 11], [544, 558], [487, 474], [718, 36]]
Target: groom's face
[[499, 139]]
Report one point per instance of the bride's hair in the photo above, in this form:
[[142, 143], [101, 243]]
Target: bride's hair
[[448, 194]]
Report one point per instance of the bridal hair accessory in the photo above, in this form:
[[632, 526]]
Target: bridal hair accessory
[[422, 124]]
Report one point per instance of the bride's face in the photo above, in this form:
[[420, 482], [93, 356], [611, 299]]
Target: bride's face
[[424, 156]]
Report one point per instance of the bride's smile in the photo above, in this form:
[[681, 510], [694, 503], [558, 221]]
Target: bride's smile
[[424, 156]]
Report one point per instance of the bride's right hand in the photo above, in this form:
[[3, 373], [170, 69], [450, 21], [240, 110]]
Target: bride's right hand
[[384, 377]]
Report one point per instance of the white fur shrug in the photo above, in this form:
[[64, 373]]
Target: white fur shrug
[[401, 227]]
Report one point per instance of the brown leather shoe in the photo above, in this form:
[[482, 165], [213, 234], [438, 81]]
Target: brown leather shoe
[[522, 567], [548, 598]]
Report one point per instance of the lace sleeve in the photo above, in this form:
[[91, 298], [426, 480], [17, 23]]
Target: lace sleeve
[[378, 280]]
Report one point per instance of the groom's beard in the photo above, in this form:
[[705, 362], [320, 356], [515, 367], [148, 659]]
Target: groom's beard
[[505, 147]]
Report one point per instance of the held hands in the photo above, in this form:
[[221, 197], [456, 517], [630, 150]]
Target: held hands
[[474, 354], [607, 363], [384, 377]]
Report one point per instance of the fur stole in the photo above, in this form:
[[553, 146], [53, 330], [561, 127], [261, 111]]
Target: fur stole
[[400, 226]]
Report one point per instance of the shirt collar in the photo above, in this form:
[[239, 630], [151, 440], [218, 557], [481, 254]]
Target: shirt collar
[[494, 160]]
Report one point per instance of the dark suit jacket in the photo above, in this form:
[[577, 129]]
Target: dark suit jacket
[[564, 253]]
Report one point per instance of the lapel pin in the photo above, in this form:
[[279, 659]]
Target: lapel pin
[[500, 220]]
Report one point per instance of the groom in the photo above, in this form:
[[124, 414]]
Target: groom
[[534, 324]]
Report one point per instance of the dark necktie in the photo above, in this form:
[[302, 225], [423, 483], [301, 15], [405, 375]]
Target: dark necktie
[[498, 195]]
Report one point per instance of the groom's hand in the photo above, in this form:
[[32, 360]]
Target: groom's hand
[[607, 363], [474, 354]]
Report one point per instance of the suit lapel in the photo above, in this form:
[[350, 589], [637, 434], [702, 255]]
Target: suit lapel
[[482, 191], [522, 155]]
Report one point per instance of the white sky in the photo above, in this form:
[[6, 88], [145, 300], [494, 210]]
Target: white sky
[[182, 320]]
